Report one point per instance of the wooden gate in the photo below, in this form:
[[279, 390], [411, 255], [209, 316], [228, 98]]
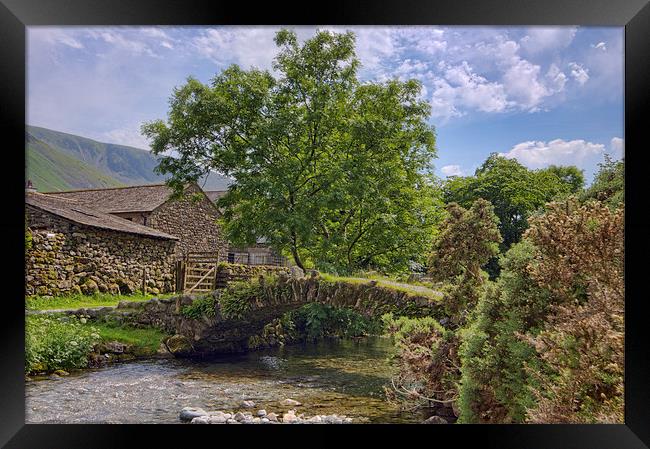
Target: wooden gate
[[197, 273]]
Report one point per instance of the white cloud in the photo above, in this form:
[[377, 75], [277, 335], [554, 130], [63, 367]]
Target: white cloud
[[64, 36], [536, 154], [248, 47], [461, 87], [541, 39], [451, 170], [579, 73], [600, 46], [617, 146]]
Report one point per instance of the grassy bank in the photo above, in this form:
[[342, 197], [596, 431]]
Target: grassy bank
[[79, 301], [55, 341], [413, 289]]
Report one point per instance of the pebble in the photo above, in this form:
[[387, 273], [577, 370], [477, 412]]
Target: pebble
[[290, 402], [200, 416], [248, 404]]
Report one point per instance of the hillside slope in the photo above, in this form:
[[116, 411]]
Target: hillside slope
[[52, 170], [113, 164]]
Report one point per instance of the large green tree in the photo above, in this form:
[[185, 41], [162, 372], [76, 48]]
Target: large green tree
[[515, 191], [334, 171]]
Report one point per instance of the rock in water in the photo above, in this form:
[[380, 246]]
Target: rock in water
[[290, 402], [189, 413], [261, 413], [200, 420], [248, 404], [289, 417], [272, 417], [179, 345]]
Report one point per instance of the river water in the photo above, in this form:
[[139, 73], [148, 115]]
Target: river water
[[329, 377]]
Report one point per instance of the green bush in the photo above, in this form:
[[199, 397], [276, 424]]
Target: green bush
[[235, 300], [496, 383], [203, 306], [315, 320], [57, 342]]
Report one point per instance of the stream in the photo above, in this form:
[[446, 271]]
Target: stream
[[344, 377]]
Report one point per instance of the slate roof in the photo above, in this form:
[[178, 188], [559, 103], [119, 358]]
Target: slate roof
[[214, 195], [74, 211], [120, 199]]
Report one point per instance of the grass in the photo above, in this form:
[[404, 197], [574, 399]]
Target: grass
[[144, 341], [411, 289], [79, 301]]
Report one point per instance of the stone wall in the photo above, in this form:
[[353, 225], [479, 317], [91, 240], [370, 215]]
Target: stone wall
[[228, 272], [193, 221], [67, 258]]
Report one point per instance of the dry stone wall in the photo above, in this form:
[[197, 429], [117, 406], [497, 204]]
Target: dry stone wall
[[67, 258], [227, 272], [193, 219]]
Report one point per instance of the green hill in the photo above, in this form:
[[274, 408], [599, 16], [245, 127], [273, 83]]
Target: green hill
[[52, 170], [62, 161]]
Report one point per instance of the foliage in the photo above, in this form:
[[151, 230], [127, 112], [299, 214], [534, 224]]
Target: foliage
[[78, 301], [495, 383], [427, 361], [545, 343], [332, 170], [515, 192], [580, 259], [465, 242], [235, 301], [200, 307], [57, 342], [609, 183], [314, 320]]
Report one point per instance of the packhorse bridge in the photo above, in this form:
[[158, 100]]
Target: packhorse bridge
[[224, 320]]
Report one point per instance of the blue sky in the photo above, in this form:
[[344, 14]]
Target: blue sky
[[543, 95]]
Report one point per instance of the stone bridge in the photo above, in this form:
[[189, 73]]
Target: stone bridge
[[242, 309]]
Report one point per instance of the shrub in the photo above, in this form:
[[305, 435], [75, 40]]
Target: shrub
[[203, 306], [495, 383], [53, 343], [427, 361], [316, 320], [235, 300]]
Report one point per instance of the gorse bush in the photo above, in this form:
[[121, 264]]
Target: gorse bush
[[427, 361], [53, 343], [495, 382]]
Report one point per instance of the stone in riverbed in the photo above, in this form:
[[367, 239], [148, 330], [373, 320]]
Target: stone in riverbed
[[272, 417], [218, 418], [179, 345], [261, 412], [290, 417], [61, 372], [248, 404], [290, 402], [200, 420], [239, 416], [189, 413]]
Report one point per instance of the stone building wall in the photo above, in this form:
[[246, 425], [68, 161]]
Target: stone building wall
[[193, 222], [67, 258]]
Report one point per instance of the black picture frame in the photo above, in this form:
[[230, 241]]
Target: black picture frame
[[15, 15]]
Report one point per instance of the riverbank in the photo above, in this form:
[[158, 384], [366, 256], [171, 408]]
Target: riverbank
[[328, 377], [59, 342]]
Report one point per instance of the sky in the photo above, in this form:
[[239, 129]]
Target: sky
[[542, 95]]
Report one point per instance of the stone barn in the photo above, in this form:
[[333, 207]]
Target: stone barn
[[76, 249], [191, 218]]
